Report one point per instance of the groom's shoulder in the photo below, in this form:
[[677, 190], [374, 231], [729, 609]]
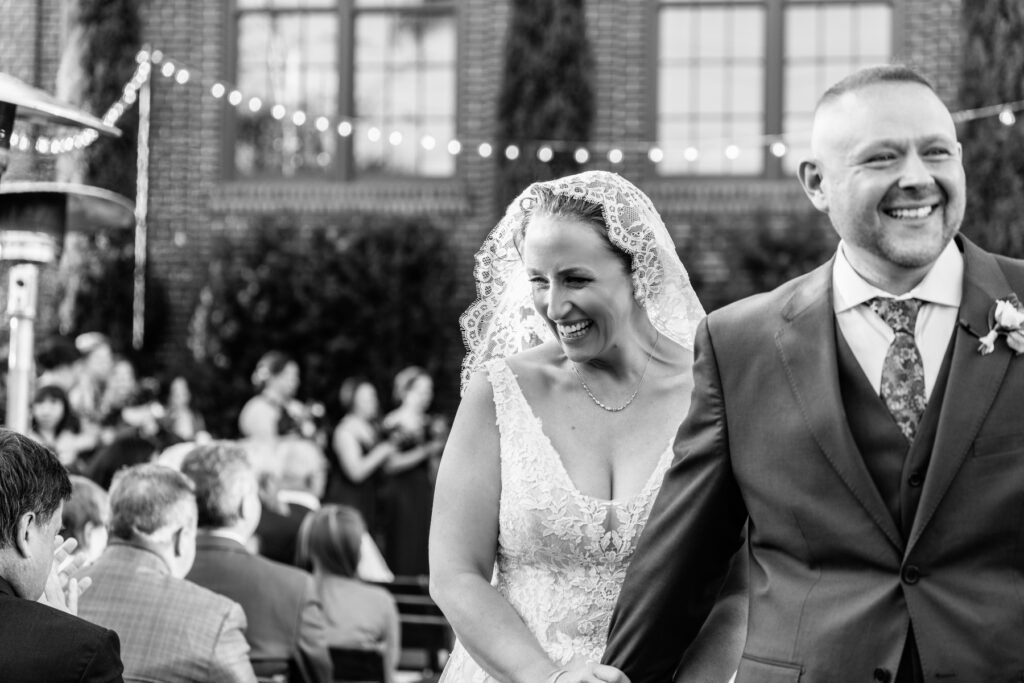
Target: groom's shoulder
[[768, 306]]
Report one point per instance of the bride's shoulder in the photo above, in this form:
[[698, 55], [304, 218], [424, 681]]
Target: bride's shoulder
[[539, 363]]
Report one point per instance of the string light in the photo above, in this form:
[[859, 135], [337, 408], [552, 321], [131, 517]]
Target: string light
[[178, 73]]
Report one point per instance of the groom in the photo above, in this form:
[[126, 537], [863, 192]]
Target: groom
[[849, 419]]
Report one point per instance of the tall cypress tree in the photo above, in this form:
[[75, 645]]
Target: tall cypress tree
[[993, 72], [546, 91]]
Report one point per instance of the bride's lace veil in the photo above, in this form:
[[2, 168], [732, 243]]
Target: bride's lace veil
[[503, 321]]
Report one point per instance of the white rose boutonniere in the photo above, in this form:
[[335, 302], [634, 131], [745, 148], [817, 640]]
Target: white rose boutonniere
[[1006, 318]]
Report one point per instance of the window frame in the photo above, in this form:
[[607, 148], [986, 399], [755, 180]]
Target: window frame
[[343, 167], [774, 70]]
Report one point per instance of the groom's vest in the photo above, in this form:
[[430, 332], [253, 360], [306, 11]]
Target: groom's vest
[[898, 474]]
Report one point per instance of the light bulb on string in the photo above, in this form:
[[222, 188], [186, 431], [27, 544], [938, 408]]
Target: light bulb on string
[[484, 150], [299, 118], [615, 156], [254, 104], [218, 90], [182, 77], [156, 56], [511, 152], [778, 149], [167, 69], [345, 129], [732, 152], [581, 155], [1007, 117], [395, 138], [691, 153], [545, 154], [235, 97], [322, 124], [428, 142], [373, 134], [656, 155], [278, 111], [454, 147]]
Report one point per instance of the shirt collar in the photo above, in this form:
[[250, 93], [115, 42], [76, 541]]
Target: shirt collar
[[942, 285]]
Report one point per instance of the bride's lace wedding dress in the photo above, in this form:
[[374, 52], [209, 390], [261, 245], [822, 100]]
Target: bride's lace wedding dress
[[562, 555]]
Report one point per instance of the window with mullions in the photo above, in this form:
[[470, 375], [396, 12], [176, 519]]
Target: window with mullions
[[732, 72], [307, 69]]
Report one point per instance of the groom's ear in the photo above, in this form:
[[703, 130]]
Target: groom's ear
[[812, 181]]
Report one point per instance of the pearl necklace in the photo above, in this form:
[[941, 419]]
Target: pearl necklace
[[613, 409]]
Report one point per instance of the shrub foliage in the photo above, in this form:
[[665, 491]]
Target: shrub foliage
[[367, 299]]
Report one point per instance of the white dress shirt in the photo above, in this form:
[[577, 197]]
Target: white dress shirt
[[869, 336]]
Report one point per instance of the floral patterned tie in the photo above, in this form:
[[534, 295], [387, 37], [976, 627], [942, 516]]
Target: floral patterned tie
[[902, 371]]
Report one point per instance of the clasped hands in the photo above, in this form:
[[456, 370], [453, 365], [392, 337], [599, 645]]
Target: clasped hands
[[579, 670], [62, 589]]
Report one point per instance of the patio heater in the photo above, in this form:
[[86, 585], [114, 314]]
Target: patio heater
[[34, 217]]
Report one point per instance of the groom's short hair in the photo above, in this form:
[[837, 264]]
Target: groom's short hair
[[872, 75]]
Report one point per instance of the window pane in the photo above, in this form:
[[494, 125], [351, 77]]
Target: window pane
[[848, 36], [711, 86], [286, 58], [405, 84]]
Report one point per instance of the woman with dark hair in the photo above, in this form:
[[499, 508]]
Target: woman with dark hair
[[358, 615], [55, 425], [125, 451], [408, 490], [274, 414], [359, 452]]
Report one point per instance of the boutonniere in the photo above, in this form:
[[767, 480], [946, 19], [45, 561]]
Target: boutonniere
[[1005, 318]]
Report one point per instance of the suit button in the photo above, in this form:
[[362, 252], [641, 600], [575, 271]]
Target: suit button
[[911, 574], [915, 479], [882, 675]]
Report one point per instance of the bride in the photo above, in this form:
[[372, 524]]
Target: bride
[[577, 376]]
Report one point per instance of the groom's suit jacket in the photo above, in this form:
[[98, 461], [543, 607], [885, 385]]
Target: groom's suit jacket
[[835, 581]]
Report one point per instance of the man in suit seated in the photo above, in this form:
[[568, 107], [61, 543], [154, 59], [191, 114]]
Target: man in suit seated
[[40, 642], [286, 622], [174, 631]]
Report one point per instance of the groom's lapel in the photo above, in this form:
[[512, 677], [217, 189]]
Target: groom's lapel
[[974, 380], [807, 344]]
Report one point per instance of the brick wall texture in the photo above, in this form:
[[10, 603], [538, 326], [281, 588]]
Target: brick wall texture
[[191, 202]]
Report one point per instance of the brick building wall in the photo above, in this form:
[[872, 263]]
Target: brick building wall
[[191, 202]]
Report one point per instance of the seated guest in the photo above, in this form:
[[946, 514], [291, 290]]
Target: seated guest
[[123, 452], [280, 602], [173, 630], [358, 615], [86, 517], [277, 533], [56, 426], [39, 641]]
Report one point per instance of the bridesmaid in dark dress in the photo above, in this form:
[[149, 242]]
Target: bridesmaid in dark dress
[[359, 453], [408, 490]]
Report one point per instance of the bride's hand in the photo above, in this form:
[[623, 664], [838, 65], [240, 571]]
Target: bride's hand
[[581, 671]]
